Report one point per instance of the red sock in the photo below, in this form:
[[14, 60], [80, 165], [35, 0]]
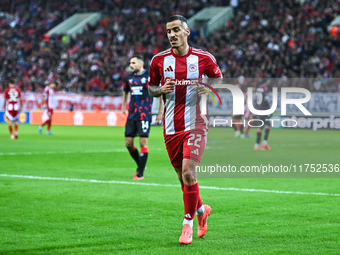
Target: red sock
[[49, 123], [199, 200], [16, 126], [190, 197], [10, 129]]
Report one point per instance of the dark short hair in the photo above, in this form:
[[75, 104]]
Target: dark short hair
[[139, 57], [10, 81], [178, 17]]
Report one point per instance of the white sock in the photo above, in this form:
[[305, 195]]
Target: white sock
[[200, 210], [256, 145], [190, 222], [264, 142]]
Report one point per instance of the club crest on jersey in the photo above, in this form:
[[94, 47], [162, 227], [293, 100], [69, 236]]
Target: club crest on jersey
[[143, 80], [192, 68]]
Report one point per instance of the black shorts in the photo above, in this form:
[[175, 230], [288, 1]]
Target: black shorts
[[137, 127]]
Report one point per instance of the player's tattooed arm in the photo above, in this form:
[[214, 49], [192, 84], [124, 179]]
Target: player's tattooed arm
[[155, 91]]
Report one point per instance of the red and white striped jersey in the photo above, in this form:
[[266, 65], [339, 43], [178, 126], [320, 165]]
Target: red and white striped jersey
[[48, 93], [12, 97], [181, 107]]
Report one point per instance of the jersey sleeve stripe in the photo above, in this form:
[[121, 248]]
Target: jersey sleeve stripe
[[166, 52], [205, 53]]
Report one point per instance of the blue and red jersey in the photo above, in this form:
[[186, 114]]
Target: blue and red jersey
[[140, 101]]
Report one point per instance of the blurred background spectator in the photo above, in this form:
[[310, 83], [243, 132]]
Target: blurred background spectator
[[275, 39]]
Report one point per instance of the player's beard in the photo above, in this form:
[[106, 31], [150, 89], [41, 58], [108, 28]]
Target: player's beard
[[175, 46], [178, 45], [135, 71]]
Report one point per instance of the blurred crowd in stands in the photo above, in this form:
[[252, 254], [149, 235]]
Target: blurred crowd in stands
[[275, 39]]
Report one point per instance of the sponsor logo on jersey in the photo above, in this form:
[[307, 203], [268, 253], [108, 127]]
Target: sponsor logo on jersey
[[137, 90], [200, 85]]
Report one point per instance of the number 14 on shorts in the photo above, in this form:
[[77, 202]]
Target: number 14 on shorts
[[145, 125]]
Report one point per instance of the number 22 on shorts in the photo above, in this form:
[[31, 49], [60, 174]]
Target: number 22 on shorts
[[194, 140]]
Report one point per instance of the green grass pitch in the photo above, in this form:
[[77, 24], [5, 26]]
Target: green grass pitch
[[72, 193]]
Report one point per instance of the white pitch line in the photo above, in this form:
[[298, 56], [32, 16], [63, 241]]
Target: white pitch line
[[62, 152], [168, 185], [57, 152]]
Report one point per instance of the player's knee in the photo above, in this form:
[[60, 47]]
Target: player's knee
[[188, 175], [129, 145], [145, 146], [143, 142]]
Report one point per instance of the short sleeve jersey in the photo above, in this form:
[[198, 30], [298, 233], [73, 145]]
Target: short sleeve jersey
[[181, 107], [48, 95], [12, 96], [140, 101]]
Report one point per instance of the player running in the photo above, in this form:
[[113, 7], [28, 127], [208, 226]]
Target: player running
[[12, 106], [139, 118], [49, 106], [180, 64]]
